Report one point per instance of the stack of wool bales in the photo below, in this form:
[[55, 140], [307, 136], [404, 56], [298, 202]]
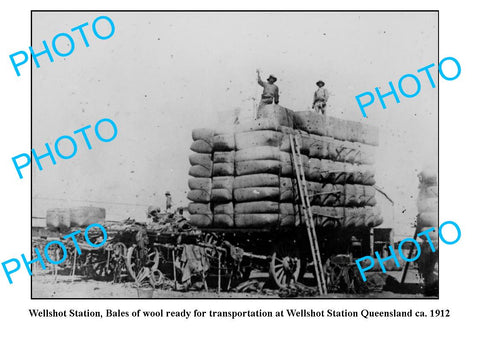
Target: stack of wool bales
[[222, 178], [340, 171], [200, 183], [263, 189], [427, 203], [252, 180]]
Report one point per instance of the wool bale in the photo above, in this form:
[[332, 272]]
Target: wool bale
[[200, 196], [224, 157], [200, 171], [262, 153], [200, 184], [327, 217], [318, 147], [245, 140], [367, 195], [364, 174], [201, 220], [366, 153], [223, 221], [336, 128], [58, 220], [282, 115], [310, 121], [353, 131], [287, 192], [268, 123], [203, 134], [201, 146], [257, 220], [258, 207], [199, 208], [221, 195], [223, 182], [223, 208], [202, 159], [256, 180], [258, 167], [427, 219], [223, 169], [256, 194], [225, 142], [324, 170], [82, 217]]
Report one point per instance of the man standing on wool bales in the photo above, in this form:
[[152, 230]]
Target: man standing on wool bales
[[270, 90], [320, 98]]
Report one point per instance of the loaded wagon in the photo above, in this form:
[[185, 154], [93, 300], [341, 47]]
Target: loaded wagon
[[247, 208]]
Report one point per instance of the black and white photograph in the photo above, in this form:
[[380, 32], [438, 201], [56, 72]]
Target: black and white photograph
[[235, 155]]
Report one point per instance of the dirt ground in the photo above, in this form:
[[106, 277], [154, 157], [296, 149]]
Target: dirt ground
[[46, 286]]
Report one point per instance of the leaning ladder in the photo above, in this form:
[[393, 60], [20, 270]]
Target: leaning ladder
[[307, 213]]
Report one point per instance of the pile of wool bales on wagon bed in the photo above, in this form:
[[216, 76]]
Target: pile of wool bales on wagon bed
[[243, 175]]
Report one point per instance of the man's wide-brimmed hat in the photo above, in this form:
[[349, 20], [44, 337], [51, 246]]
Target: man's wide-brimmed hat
[[167, 193], [272, 77], [320, 82]]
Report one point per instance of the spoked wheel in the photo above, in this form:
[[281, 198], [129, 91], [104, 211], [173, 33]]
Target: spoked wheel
[[136, 260], [103, 267], [119, 254], [285, 266]]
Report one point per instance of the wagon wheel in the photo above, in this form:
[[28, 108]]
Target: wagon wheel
[[135, 261], [285, 266], [103, 266], [119, 254]]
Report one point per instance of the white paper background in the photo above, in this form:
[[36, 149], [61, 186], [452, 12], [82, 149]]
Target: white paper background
[[458, 165]]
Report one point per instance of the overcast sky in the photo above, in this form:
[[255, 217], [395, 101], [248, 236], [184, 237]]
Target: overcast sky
[[163, 74]]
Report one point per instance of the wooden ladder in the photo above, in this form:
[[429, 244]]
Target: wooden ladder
[[307, 213]]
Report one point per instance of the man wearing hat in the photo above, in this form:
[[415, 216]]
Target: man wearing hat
[[168, 202], [320, 97], [270, 90]]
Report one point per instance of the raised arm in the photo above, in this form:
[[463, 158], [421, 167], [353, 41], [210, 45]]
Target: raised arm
[[259, 80]]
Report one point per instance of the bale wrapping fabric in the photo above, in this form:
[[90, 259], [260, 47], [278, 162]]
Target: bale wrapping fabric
[[256, 180], [199, 196], [256, 194], [82, 217], [257, 207], [58, 220], [204, 134], [200, 184], [200, 171], [201, 220], [267, 123], [224, 157], [221, 195], [282, 115], [199, 208], [225, 142], [223, 169], [262, 153], [336, 128], [246, 140], [223, 208], [262, 167], [310, 122], [201, 146], [223, 221], [256, 220], [223, 182], [201, 159]]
